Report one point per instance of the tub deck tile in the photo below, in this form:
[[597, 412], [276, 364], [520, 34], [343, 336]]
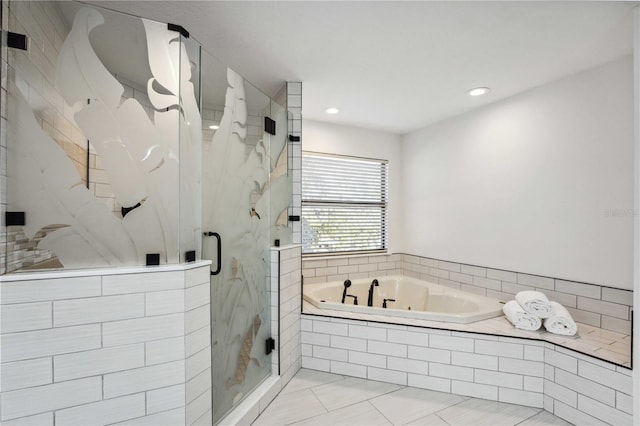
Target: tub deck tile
[[607, 345]]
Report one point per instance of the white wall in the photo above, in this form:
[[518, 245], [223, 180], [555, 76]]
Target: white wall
[[540, 183], [345, 140]]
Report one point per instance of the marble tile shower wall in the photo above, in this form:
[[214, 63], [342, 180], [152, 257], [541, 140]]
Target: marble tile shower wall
[[599, 306]]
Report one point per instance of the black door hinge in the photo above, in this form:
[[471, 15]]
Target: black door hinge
[[16, 41], [178, 28], [14, 219], [269, 126], [270, 345]]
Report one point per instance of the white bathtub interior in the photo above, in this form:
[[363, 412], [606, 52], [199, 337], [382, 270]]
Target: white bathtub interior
[[405, 297]]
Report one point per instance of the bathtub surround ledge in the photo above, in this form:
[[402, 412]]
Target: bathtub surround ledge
[[108, 345]]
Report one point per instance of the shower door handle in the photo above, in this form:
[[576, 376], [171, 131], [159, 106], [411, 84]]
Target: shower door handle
[[219, 266], [215, 234]]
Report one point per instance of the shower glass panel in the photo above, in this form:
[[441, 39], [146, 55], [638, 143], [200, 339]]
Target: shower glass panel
[[280, 179], [191, 134], [102, 159], [238, 160]]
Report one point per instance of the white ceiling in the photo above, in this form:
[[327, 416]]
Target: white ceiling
[[398, 66]]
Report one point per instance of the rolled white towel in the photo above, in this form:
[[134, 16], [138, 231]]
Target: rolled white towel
[[535, 303], [560, 322], [519, 318]]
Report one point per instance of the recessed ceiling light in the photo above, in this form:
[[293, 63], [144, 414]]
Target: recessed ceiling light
[[214, 127], [332, 110], [478, 91]]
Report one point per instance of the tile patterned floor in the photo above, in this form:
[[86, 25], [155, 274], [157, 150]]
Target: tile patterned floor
[[318, 398]]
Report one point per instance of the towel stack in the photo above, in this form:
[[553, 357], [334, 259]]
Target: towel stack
[[532, 309]]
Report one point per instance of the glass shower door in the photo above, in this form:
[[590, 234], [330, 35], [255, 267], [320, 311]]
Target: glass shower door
[[236, 229]]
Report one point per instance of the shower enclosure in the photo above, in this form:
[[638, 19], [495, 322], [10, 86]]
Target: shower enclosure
[[127, 143], [245, 198]]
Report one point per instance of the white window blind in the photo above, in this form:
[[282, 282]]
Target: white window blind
[[344, 204]]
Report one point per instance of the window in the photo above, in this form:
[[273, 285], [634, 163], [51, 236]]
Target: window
[[344, 204]]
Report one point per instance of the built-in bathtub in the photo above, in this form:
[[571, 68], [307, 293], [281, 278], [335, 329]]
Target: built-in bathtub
[[413, 298]]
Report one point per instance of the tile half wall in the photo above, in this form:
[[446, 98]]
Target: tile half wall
[[575, 387], [111, 347]]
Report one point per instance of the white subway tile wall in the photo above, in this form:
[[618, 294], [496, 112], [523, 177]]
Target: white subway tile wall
[[442, 361], [108, 352], [599, 306], [576, 387], [294, 107], [353, 267], [288, 307]]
